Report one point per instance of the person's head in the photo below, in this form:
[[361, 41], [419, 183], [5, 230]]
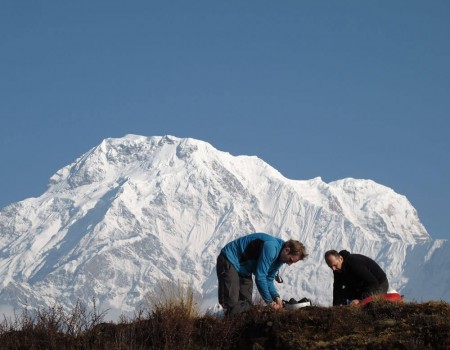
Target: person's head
[[292, 252], [334, 260]]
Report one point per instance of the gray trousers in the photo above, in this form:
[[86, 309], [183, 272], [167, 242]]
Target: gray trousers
[[235, 291]]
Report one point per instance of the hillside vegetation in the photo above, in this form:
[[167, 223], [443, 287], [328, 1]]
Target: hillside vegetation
[[379, 325]]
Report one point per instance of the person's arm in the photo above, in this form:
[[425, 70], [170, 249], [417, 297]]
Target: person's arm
[[277, 303], [271, 285], [338, 293], [263, 276]]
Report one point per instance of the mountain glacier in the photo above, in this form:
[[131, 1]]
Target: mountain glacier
[[137, 210]]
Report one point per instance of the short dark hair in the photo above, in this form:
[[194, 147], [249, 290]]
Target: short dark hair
[[343, 253], [331, 252], [296, 248]]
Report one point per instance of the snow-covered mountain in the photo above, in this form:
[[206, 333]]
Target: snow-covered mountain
[[137, 210]]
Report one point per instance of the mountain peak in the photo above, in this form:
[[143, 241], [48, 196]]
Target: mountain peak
[[134, 210]]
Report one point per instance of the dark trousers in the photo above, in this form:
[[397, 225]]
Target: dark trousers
[[235, 291]]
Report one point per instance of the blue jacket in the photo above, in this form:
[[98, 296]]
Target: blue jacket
[[257, 254]]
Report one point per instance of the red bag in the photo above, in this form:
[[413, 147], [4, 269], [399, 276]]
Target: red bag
[[395, 297]]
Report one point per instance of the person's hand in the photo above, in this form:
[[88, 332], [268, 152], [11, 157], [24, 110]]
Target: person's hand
[[277, 304], [273, 305], [354, 302]]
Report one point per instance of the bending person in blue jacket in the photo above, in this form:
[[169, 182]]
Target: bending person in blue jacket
[[257, 254]]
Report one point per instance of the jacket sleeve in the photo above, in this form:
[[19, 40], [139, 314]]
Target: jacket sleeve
[[338, 293], [272, 290], [263, 276]]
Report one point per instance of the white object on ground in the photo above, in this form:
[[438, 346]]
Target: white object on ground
[[297, 306]]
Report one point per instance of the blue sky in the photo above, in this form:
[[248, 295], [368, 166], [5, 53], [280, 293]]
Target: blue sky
[[315, 88]]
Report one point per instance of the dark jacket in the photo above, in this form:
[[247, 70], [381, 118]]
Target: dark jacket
[[360, 277]]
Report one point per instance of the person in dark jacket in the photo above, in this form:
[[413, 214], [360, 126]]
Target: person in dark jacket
[[257, 254], [355, 277]]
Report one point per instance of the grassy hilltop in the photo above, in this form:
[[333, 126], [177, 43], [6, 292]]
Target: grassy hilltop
[[379, 325]]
